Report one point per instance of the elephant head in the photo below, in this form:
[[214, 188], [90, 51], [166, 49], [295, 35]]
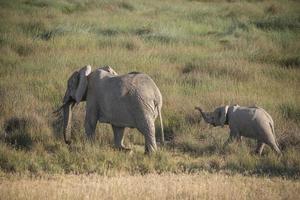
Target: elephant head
[[75, 93], [216, 118]]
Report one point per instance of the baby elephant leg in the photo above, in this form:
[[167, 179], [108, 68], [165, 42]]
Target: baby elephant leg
[[260, 147], [232, 135]]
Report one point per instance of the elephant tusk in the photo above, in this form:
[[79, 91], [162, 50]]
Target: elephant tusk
[[60, 108]]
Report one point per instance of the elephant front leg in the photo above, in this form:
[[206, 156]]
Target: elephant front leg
[[234, 134], [119, 138], [90, 124]]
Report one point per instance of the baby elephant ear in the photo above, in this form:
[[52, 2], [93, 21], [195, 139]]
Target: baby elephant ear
[[83, 83], [110, 70], [223, 115]]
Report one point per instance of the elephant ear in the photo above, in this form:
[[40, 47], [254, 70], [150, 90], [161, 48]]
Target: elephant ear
[[223, 115], [83, 83]]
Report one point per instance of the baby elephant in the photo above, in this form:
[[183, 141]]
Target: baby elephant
[[251, 122]]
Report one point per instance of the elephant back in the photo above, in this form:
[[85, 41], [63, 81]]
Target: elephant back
[[142, 85], [135, 72]]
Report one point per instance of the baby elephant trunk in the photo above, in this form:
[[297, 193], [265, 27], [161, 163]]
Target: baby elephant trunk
[[203, 114]]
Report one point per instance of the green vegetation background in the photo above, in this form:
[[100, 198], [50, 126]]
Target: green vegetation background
[[206, 53]]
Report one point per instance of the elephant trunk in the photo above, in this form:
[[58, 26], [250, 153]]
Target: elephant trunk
[[203, 114], [67, 119]]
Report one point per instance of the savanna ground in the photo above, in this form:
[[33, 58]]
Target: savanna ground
[[206, 53]]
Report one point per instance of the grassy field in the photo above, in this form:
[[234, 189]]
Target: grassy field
[[206, 53], [151, 186]]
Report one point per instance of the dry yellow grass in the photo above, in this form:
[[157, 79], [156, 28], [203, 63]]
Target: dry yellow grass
[[152, 186]]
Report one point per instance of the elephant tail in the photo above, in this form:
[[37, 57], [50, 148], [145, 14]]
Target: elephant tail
[[161, 126], [276, 146]]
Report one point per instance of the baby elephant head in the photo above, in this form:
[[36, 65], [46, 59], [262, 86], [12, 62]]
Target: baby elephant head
[[216, 118]]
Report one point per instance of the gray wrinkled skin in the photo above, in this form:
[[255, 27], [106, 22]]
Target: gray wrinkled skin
[[131, 100], [251, 122]]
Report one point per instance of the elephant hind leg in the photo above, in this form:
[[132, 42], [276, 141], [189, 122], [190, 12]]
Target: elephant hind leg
[[119, 137], [260, 147], [148, 130], [144, 122], [274, 146]]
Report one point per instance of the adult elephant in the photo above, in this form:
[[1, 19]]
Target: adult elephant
[[132, 100]]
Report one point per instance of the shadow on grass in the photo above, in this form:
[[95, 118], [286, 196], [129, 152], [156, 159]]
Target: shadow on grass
[[196, 151], [243, 162], [290, 111], [16, 133], [24, 132], [266, 165], [197, 146], [290, 62], [279, 23]]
